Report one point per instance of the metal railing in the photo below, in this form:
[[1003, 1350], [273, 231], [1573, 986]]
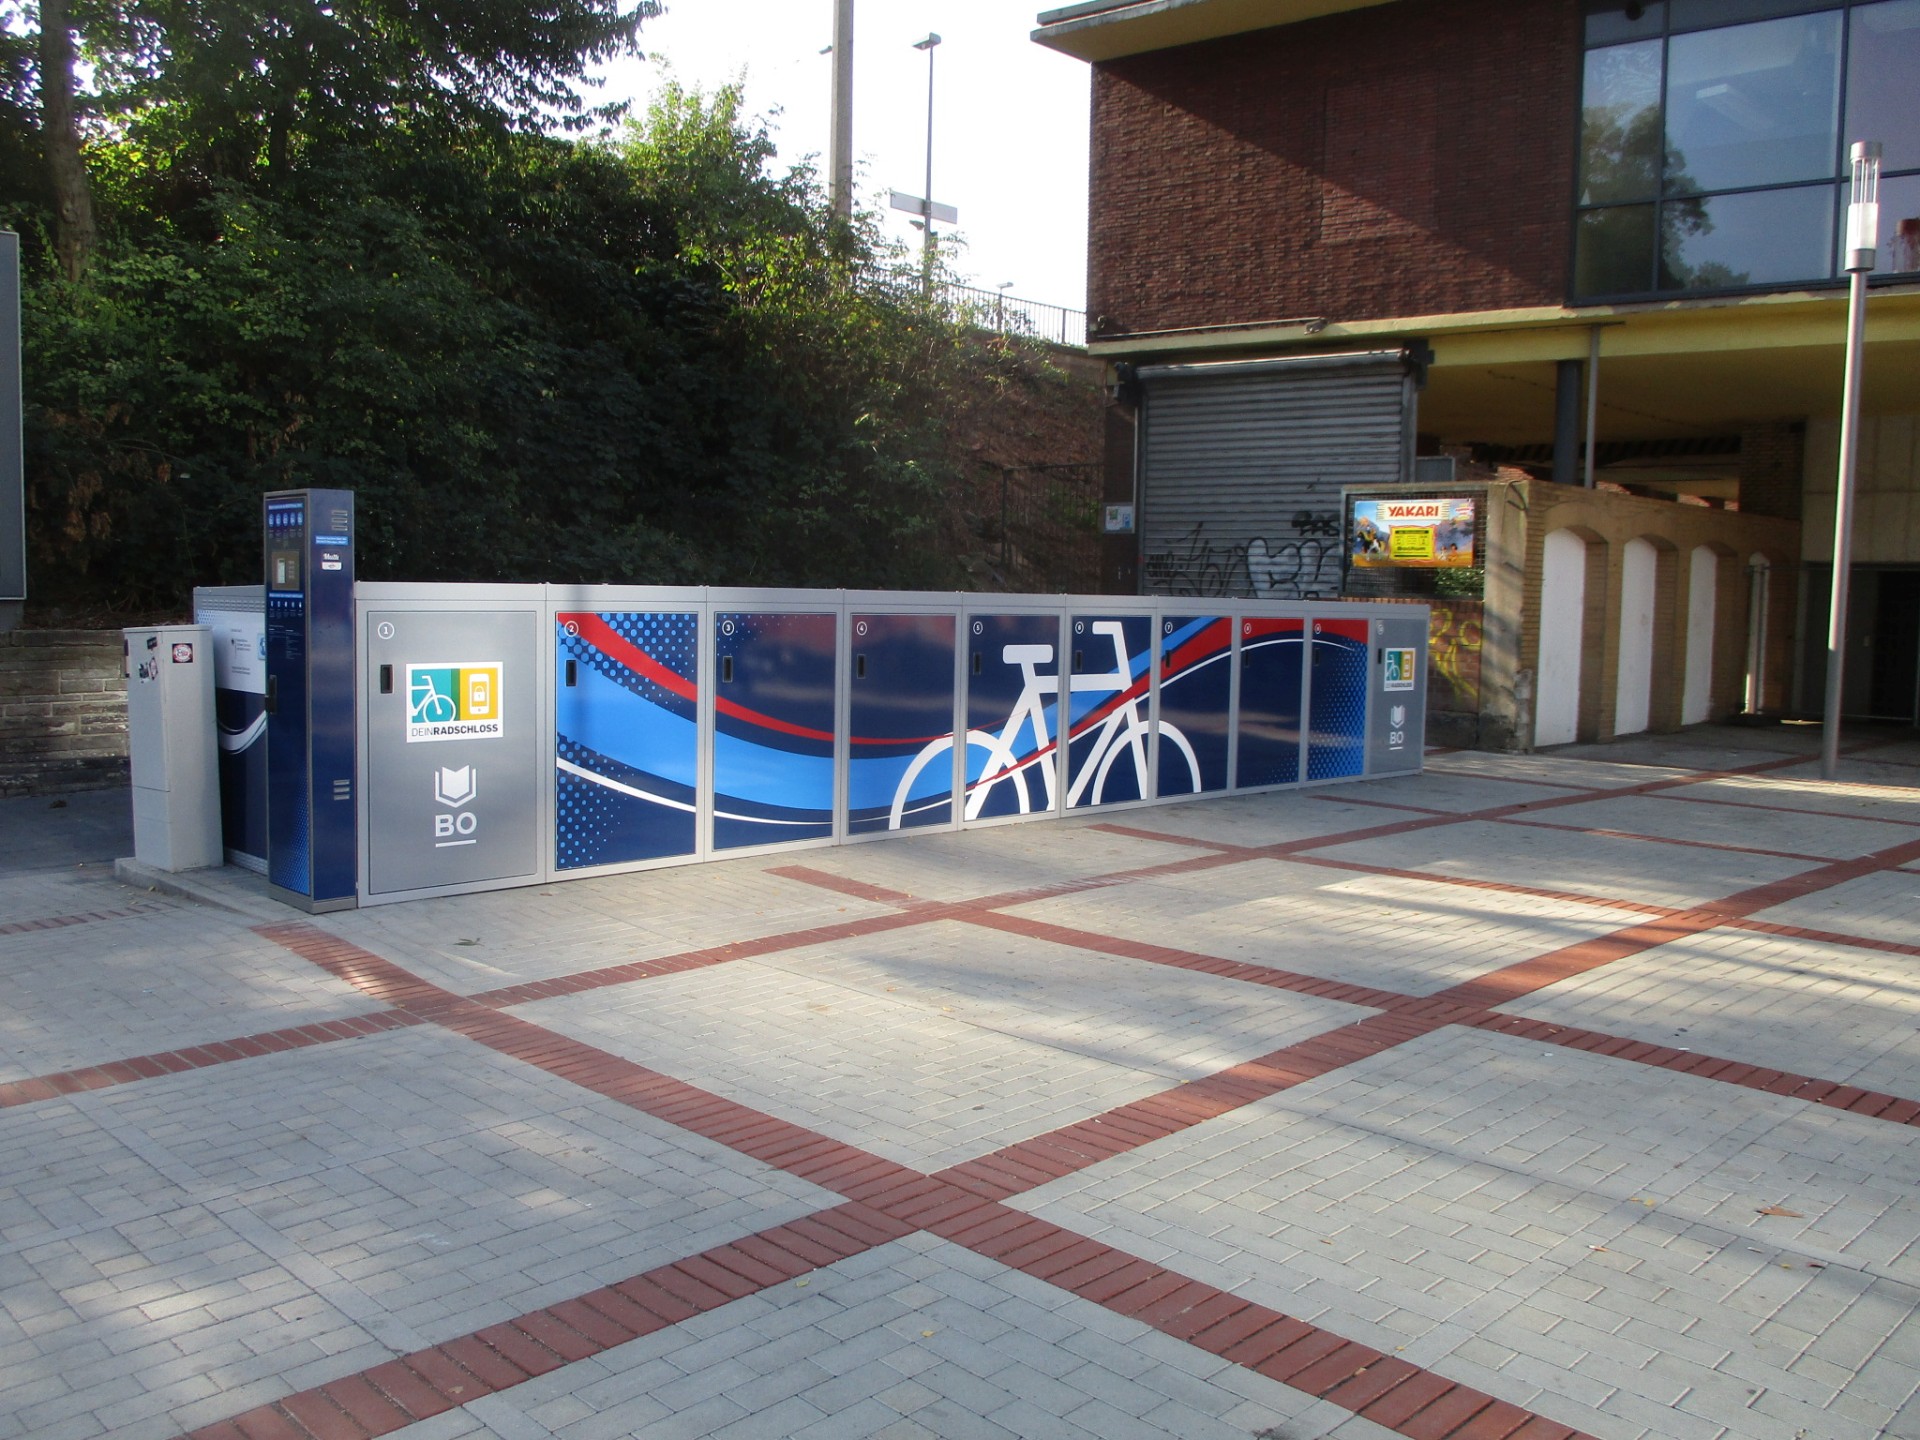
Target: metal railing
[[1010, 315], [1044, 521]]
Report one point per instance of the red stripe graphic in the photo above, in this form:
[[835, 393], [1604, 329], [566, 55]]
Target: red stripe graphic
[[615, 646]]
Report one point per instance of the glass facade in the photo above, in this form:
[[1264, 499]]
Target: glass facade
[[1714, 138]]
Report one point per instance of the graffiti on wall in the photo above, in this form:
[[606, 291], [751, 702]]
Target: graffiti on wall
[[1454, 629], [1304, 565]]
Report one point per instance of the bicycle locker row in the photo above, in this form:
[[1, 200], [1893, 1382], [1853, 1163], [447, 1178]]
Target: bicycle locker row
[[518, 734]]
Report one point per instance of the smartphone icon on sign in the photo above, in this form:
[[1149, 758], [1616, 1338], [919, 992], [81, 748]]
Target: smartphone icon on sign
[[480, 693]]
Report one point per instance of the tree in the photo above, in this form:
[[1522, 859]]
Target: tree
[[74, 228], [651, 359], [240, 89]]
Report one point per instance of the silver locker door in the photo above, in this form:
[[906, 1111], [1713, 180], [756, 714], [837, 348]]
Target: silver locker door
[[453, 748]]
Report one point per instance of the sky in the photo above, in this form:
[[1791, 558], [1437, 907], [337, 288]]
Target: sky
[[1009, 118]]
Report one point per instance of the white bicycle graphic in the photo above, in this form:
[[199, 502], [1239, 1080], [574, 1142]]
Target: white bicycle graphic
[[1123, 732], [430, 707]]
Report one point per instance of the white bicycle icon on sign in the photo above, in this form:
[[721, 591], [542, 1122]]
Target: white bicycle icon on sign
[[1123, 731], [430, 707]]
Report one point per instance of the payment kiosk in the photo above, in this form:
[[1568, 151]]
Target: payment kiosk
[[311, 667]]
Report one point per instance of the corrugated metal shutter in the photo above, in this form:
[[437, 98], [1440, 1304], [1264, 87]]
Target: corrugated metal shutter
[[1242, 465]]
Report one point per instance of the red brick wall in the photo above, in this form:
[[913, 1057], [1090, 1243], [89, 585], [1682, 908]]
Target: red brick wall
[[1412, 158]]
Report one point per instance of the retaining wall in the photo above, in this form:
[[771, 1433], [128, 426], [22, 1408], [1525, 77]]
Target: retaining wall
[[63, 711]]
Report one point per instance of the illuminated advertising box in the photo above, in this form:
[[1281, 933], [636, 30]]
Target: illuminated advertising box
[[1433, 534]]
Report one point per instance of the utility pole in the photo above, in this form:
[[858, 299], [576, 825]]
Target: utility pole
[[840, 156]]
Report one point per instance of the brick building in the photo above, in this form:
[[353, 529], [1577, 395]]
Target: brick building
[[1456, 249]]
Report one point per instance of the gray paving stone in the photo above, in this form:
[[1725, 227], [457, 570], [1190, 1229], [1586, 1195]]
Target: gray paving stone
[[1595, 1240]]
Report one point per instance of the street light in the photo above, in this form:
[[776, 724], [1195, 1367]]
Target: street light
[[1863, 235], [926, 259]]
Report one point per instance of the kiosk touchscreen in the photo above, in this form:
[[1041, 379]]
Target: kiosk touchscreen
[[308, 557]]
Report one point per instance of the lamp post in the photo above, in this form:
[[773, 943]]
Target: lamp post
[[926, 258], [1863, 235]]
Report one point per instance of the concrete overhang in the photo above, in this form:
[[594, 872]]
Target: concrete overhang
[[1667, 370], [1553, 332], [1109, 29]]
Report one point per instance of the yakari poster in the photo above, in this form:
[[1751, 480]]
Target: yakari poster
[[1432, 534]]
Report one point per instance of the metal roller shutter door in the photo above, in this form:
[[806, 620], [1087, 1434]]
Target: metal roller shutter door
[[1242, 465]]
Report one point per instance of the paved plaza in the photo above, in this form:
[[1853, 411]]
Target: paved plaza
[[1534, 1097]]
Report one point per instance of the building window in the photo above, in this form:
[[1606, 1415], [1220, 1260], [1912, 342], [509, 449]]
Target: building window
[[1714, 138]]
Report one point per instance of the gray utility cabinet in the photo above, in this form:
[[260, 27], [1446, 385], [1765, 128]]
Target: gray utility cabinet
[[171, 744]]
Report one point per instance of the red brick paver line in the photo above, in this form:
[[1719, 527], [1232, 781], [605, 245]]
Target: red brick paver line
[[1377, 804], [1164, 837], [1416, 1404], [1783, 809], [887, 1200], [1267, 975], [1822, 937], [1807, 882], [1469, 882], [1298, 1354], [1815, 1091], [901, 1199], [1471, 774], [455, 1373], [686, 960], [846, 885], [199, 1057], [1607, 834], [1028, 1164], [397, 983], [62, 922]]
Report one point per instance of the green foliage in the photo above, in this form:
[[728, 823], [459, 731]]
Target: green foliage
[[643, 358], [1466, 582]]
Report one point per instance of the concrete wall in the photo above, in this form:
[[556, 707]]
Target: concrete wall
[[63, 711], [1523, 513], [1886, 513], [1410, 159]]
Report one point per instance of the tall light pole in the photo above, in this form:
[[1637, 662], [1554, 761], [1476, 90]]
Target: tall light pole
[[840, 155], [926, 259], [1863, 235]]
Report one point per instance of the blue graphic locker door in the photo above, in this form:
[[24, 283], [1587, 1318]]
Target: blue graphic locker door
[[1337, 700], [773, 728], [900, 751], [1013, 700], [1196, 693], [1270, 663], [626, 737], [1111, 675]]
